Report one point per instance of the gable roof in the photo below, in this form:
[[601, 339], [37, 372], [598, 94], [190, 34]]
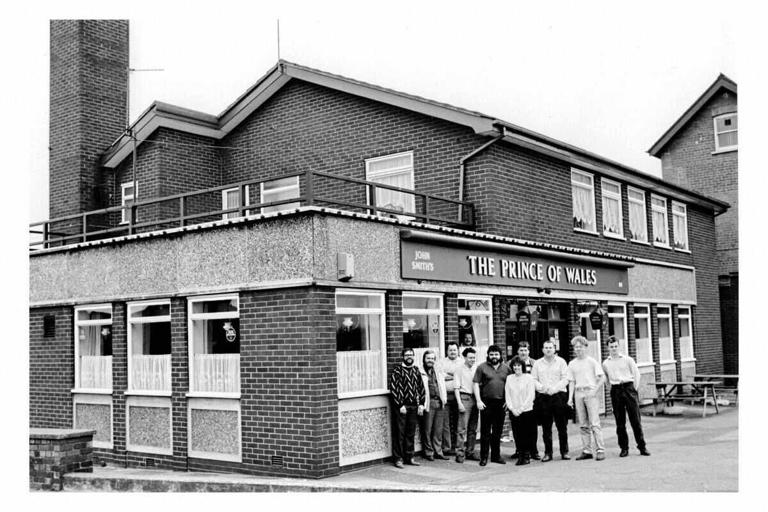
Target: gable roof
[[163, 115], [722, 82]]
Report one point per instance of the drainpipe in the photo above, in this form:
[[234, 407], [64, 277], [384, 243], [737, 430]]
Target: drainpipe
[[463, 161]]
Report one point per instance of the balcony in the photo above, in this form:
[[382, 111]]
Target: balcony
[[202, 206]]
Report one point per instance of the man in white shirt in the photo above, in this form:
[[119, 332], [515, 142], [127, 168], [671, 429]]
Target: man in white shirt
[[550, 375], [448, 366], [624, 378], [586, 378]]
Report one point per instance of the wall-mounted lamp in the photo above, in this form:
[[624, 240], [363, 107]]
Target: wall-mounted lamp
[[544, 290]]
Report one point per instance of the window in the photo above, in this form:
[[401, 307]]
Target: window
[[643, 335], [583, 191], [423, 324], [660, 224], [617, 326], [149, 346], [476, 323], [686, 334], [214, 345], [395, 171], [361, 354], [93, 347], [127, 199], [666, 352], [679, 226], [726, 132], [638, 221], [280, 190], [230, 198], [585, 329], [612, 218]]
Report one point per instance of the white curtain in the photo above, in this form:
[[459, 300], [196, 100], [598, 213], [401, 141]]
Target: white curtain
[[151, 372], [611, 215], [392, 200], [637, 222], [96, 372], [679, 229], [90, 340], [660, 227], [217, 373], [583, 209], [359, 370]]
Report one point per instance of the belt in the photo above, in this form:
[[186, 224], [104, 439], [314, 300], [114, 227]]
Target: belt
[[466, 394], [583, 388], [434, 398], [630, 382]]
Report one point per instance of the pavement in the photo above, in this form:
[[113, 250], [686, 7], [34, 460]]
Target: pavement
[[689, 454]]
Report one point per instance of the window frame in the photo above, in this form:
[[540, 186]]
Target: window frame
[[668, 318], [684, 216], [280, 207], [224, 206], [124, 198], [624, 339], [130, 321], [77, 324], [612, 196], [647, 317], [489, 314], [688, 317], [191, 317], [718, 147], [410, 198], [440, 352], [644, 204], [382, 312], [591, 188], [655, 208]]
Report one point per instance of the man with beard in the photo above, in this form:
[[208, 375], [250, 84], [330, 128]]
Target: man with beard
[[550, 375], [449, 366], [408, 396], [489, 381], [434, 408]]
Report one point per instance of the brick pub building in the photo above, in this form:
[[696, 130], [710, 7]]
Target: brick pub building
[[230, 292]]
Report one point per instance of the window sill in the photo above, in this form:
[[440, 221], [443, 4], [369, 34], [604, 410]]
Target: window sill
[[84, 391], [668, 362], [730, 149], [688, 360], [148, 393], [615, 236], [199, 394], [662, 246], [359, 394], [638, 241], [593, 233], [686, 251], [650, 364]]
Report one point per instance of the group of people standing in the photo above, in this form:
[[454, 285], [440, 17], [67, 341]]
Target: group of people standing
[[446, 397]]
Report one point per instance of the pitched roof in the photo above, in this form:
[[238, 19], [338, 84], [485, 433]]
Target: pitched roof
[[163, 115], [722, 82]]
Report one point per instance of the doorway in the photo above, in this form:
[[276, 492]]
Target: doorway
[[537, 322]]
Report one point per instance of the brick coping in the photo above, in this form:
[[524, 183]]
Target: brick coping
[[59, 433]]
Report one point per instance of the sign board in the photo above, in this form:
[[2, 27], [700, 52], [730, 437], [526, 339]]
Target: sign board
[[428, 261]]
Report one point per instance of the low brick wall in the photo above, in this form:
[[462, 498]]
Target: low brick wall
[[56, 451]]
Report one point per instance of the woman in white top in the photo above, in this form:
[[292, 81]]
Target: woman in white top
[[519, 392]]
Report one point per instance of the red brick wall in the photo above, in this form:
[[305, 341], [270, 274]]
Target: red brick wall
[[51, 369]]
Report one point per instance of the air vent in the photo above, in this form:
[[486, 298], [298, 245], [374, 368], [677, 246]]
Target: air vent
[[277, 460], [49, 326]]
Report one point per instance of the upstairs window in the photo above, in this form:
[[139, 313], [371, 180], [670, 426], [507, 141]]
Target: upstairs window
[[128, 198], [395, 171], [280, 190], [230, 198], [726, 132], [583, 191], [638, 221], [679, 226], [612, 218], [660, 223]]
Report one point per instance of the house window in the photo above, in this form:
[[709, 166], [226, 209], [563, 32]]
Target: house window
[[128, 197], [475, 324], [726, 132], [214, 345], [583, 191], [361, 354], [666, 351], [679, 226], [230, 198], [149, 346], [612, 218], [93, 347], [423, 324], [280, 190], [643, 335], [395, 171], [686, 333], [586, 330], [660, 224], [617, 326], [638, 221]]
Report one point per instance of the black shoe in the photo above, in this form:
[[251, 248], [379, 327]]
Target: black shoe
[[536, 456], [413, 463], [565, 456], [645, 452], [460, 459], [624, 452], [583, 456], [399, 464], [498, 460], [471, 456], [483, 462], [547, 457], [440, 456], [429, 457], [514, 456], [520, 461]]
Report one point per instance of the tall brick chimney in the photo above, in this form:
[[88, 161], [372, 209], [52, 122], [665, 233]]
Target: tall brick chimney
[[89, 83]]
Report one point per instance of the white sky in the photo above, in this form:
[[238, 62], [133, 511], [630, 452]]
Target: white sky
[[598, 75]]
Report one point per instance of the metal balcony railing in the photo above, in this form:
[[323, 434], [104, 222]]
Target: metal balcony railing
[[200, 206]]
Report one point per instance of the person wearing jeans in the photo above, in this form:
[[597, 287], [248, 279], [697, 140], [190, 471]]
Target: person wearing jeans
[[434, 408], [586, 377], [466, 430]]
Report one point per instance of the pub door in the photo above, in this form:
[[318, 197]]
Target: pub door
[[547, 320]]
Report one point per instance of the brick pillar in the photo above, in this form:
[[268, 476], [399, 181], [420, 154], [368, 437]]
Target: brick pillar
[[119, 379], [631, 334], [499, 325], [574, 329], [676, 343], [451, 317], [179, 381], [394, 316], [54, 452], [655, 342]]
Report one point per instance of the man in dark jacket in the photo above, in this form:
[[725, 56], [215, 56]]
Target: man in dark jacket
[[408, 396]]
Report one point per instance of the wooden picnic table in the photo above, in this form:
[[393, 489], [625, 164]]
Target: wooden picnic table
[[699, 391]]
